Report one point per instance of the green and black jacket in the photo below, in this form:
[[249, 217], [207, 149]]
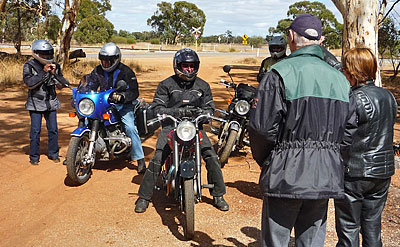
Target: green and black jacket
[[301, 125]]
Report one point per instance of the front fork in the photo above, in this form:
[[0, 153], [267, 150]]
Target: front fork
[[92, 140], [198, 166]]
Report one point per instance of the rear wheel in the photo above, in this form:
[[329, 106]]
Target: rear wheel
[[77, 169], [188, 190], [227, 147]]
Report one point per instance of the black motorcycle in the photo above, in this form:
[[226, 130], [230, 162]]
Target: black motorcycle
[[232, 132], [181, 173]]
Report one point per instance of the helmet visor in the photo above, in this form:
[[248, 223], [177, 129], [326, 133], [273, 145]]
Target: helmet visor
[[276, 48], [45, 54], [107, 61]]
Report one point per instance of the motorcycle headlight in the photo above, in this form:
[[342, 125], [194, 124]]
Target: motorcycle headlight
[[186, 131], [242, 107], [86, 107]]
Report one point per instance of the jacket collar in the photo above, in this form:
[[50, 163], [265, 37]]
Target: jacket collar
[[367, 83], [309, 50]]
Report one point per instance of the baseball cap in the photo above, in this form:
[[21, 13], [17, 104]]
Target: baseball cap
[[308, 26]]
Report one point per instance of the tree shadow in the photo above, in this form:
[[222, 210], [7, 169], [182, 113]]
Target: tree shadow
[[248, 188]]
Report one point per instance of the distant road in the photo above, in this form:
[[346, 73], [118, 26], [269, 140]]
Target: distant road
[[92, 52]]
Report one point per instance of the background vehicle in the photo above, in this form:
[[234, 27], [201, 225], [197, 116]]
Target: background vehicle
[[232, 133], [100, 134], [181, 173]]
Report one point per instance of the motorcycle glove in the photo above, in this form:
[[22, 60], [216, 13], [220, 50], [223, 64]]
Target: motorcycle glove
[[117, 97]]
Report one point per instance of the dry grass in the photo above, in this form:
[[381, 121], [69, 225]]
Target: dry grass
[[11, 70], [250, 60]]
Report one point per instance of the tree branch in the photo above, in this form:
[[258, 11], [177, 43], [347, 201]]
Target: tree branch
[[380, 21]]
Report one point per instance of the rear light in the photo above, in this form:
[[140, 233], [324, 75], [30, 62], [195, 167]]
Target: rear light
[[72, 114], [106, 116], [229, 101]]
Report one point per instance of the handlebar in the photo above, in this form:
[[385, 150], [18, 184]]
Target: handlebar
[[227, 84], [161, 117]]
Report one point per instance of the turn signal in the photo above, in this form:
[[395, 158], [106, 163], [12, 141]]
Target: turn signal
[[106, 116], [229, 101], [72, 114]]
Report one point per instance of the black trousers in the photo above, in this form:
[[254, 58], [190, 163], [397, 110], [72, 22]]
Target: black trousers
[[361, 211], [213, 166], [307, 217]]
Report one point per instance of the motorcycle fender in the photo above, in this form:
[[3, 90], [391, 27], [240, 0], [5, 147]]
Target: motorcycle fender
[[187, 169], [80, 131], [234, 125]]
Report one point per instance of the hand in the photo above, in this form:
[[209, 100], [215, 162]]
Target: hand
[[189, 112], [50, 67], [117, 97]]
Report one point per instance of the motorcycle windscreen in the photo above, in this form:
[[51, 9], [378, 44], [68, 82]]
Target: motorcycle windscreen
[[93, 82]]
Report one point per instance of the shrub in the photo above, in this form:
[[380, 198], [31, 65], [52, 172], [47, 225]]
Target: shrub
[[155, 41]]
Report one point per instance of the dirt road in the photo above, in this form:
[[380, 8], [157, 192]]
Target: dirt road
[[39, 208]]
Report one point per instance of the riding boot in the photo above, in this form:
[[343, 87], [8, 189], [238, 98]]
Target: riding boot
[[141, 166]]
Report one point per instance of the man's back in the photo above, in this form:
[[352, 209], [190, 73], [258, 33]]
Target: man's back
[[307, 129]]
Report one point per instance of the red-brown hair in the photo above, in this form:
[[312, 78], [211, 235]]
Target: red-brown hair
[[361, 63]]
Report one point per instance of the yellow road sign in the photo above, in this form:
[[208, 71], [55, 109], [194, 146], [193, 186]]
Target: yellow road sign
[[245, 37], [244, 42]]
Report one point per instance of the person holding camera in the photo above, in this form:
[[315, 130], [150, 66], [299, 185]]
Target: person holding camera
[[113, 70], [183, 95], [42, 75]]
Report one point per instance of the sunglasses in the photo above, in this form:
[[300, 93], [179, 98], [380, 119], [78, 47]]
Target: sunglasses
[[187, 65]]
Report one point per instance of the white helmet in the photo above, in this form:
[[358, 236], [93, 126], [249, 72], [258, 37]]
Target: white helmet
[[111, 53], [43, 51]]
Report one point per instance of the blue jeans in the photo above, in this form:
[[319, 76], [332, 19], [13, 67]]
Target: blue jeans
[[128, 119], [36, 125]]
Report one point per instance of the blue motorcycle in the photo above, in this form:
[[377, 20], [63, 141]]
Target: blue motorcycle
[[100, 134]]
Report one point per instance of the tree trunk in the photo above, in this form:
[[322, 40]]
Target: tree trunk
[[18, 36], [3, 6], [360, 25], [70, 24]]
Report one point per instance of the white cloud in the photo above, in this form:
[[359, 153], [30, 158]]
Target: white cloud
[[252, 17]]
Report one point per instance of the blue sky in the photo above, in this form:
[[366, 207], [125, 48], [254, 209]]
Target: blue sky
[[251, 17]]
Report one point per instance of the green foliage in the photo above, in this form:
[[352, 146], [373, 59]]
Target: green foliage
[[389, 43], [174, 22], [331, 28], [256, 41], [118, 39], [94, 29], [131, 40], [155, 41], [54, 26], [93, 26], [19, 23]]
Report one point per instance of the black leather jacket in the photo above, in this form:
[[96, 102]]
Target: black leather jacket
[[371, 153], [173, 93]]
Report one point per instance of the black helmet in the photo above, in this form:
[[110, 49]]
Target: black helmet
[[277, 46], [43, 51], [189, 56], [110, 52]]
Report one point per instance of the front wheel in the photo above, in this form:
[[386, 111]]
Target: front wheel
[[188, 190], [227, 147], [79, 169]]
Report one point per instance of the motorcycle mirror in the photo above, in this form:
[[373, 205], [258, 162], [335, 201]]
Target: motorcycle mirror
[[226, 68], [121, 86]]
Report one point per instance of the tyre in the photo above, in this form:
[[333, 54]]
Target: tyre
[[227, 147], [188, 191], [77, 170]]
